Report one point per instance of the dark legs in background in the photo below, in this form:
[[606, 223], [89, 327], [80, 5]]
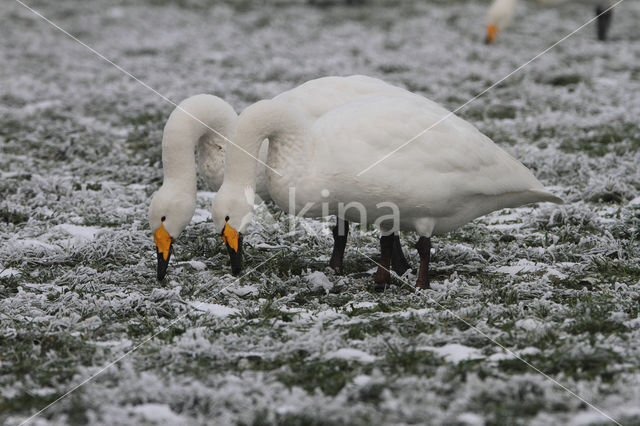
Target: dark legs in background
[[604, 22], [424, 250], [340, 232], [382, 277]]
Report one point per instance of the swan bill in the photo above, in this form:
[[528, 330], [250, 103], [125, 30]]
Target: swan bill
[[230, 236], [163, 249], [235, 256], [492, 33], [163, 263], [163, 241], [233, 241]]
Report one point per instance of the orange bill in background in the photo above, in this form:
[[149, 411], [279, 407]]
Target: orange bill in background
[[492, 33]]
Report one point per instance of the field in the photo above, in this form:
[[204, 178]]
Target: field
[[539, 289]]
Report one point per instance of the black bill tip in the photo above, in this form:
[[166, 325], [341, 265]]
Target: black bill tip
[[236, 257], [163, 264]]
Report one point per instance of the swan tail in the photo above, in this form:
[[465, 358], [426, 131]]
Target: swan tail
[[544, 196], [487, 204]]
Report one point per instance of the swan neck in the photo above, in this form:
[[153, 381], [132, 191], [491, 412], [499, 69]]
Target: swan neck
[[196, 120], [282, 126]]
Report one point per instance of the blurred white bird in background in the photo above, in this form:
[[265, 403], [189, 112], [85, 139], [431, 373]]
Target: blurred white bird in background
[[501, 12]]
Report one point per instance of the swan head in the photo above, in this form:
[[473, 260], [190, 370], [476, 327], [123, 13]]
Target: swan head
[[232, 212], [499, 16], [170, 212]]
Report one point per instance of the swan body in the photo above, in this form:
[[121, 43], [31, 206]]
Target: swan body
[[500, 15], [442, 180], [446, 177]]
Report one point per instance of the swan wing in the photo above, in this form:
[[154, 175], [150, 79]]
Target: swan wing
[[447, 164], [317, 97]]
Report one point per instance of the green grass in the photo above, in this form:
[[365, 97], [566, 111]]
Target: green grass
[[620, 139], [82, 145], [565, 80]]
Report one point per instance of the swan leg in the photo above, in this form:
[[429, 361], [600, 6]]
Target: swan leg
[[340, 232], [424, 250], [399, 263], [604, 22], [382, 277]]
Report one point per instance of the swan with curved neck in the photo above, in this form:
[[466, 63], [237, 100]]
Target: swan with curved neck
[[189, 128], [501, 12], [445, 178]]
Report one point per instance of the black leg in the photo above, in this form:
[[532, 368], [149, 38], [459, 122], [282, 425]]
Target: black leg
[[399, 263], [604, 22], [383, 276], [424, 250], [340, 232]]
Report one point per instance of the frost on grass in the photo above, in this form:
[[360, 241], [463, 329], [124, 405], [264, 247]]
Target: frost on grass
[[291, 342]]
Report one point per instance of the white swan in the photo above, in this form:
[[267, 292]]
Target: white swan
[[189, 129], [501, 12], [448, 176]]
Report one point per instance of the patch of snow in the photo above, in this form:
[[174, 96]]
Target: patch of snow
[[528, 324], [455, 352], [111, 343], [319, 280], [363, 305], [470, 419], [586, 418], [555, 273], [32, 244], [44, 391], [635, 202], [634, 323], [206, 195], [34, 107], [244, 290], [501, 356], [350, 354], [197, 265], [505, 226], [522, 266], [361, 380], [9, 272], [529, 350], [214, 309], [201, 215], [157, 414], [91, 323], [79, 233], [271, 246]]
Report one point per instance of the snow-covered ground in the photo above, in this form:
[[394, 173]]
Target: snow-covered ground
[[292, 343]]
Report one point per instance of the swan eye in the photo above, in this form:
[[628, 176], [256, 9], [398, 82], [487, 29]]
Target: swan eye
[[162, 219], [226, 219]]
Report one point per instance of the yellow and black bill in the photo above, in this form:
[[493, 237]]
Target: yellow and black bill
[[164, 245], [233, 241]]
